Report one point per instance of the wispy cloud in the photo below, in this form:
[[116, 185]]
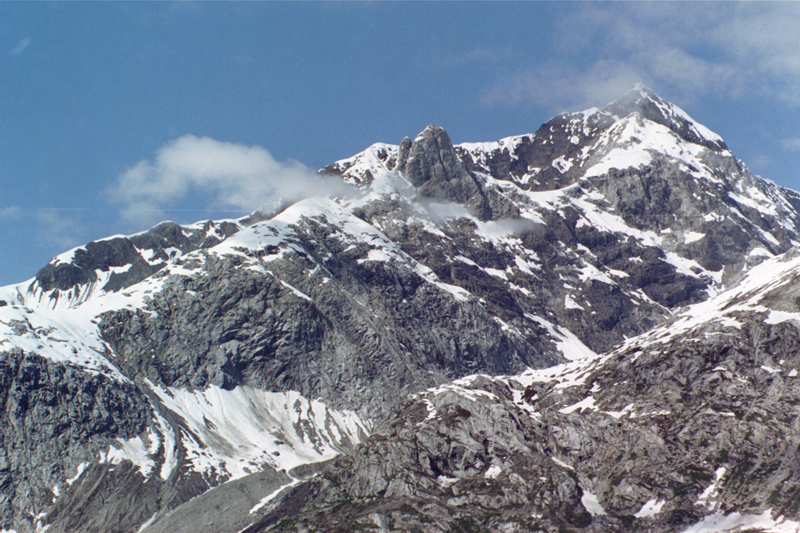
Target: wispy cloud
[[760, 162], [791, 144], [763, 41], [21, 46], [232, 176], [725, 50], [10, 212], [59, 228], [560, 87]]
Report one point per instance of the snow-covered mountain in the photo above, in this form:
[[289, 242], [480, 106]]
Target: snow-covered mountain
[[177, 378]]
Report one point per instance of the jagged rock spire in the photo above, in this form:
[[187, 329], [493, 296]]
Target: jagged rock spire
[[432, 158]]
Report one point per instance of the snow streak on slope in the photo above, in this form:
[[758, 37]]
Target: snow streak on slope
[[238, 432], [730, 523], [226, 435], [767, 289]]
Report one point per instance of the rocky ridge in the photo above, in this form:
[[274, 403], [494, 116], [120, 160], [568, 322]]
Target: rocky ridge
[[317, 321], [690, 427]]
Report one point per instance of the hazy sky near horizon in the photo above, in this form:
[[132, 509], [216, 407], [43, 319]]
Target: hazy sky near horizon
[[116, 115]]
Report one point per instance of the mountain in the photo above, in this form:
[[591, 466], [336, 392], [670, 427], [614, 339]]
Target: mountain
[[692, 427], [178, 379]]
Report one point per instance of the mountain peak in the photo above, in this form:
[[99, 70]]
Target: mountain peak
[[644, 101], [636, 99], [645, 91]]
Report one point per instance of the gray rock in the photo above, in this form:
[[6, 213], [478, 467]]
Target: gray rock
[[224, 508], [403, 153], [431, 158], [55, 417], [689, 420]]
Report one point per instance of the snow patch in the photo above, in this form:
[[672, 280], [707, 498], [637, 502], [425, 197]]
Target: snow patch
[[721, 523], [148, 522], [569, 303], [561, 463], [586, 403], [590, 272], [561, 164], [708, 497], [459, 388], [692, 236], [591, 504], [133, 450], [81, 469], [650, 509], [568, 344], [492, 472]]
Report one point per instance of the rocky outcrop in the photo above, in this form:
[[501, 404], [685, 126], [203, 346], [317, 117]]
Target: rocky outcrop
[[81, 266], [685, 425], [431, 158], [433, 166], [56, 420]]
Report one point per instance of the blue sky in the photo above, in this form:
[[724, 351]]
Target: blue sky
[[116, 115]]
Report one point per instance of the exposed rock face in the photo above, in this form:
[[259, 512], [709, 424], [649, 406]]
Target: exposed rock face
[[431, 158], [223, 508], [433, 166], [695, 420], [284, 329], [228, 358], [402, 154], [56, 417]]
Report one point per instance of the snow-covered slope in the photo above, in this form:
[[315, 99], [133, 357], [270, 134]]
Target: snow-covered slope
[[139, 371]]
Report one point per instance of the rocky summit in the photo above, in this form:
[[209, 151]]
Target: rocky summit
[[593, 327]]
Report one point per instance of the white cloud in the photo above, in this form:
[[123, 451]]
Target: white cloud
[[685, 50], [231, 176], [763, 41], [21, 46]]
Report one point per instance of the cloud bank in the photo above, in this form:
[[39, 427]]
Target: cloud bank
[[712, 49], [232, 176]]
